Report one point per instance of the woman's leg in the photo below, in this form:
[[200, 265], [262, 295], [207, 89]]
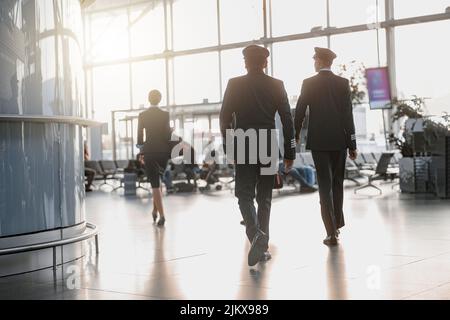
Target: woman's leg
[[158, 202]]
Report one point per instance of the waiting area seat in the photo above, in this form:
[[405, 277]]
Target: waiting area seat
[[100, 173], [370, 166], [382, 172]]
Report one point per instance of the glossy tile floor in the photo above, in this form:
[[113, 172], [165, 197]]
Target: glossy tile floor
[[395, 246]]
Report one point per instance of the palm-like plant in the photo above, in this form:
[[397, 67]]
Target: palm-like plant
[[356, 74]]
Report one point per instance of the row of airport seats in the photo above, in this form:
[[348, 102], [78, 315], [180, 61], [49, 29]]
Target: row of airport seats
[[109, 170], [370, 166], [112, 172]]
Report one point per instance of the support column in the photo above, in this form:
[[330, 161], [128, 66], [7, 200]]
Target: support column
[[390, 53]]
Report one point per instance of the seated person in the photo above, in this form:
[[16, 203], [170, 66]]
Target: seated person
[[190, 166], [167, 179], [307, 172], [298, 176]]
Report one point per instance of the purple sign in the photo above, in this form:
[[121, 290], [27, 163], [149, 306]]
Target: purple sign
[[379, 88]]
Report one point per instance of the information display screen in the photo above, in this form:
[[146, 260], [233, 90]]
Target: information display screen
[[379, 88]]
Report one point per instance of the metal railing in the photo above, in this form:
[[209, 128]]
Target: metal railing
[[92, 233]]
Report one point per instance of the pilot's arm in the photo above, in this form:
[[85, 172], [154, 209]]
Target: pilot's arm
[[348, 120], [284, 111], [226, 113], [300, 111]]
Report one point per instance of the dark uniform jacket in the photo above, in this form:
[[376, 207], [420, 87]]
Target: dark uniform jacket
[[156, 123], [330, 126], [253, 100]]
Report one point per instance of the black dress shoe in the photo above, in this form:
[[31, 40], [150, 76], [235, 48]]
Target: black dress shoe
[[259, 246], [161, 222], [266, 257], [308, 189], [330, 241]]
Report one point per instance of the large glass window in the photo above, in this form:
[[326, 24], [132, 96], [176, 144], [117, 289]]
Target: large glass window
[[46, 15], [148, 75], [360, 47], [111, 90], [71, 12], [293, 16], [408, 8], [195, 24], [109, 39], [422, 59], [241, 20], [292, 63], [232, 65], [355, 12], [197, 78], [147, 29]]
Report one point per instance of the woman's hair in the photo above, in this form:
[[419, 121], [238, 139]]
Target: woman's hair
[[154, 97]]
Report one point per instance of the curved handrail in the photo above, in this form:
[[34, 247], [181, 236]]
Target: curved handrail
[[49, 119], [46, 245]]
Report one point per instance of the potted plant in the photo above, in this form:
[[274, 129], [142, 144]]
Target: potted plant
[[356, 74]]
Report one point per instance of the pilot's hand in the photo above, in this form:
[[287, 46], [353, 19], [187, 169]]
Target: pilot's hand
[[288, 164], [141, 160], [353, 154]]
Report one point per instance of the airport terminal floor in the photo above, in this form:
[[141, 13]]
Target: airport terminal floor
[[395, 246]]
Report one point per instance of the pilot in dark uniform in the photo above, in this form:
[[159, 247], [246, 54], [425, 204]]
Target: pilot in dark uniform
[[331, 132], [251, 103]]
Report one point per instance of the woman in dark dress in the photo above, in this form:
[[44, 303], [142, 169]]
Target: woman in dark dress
[[155, 148]]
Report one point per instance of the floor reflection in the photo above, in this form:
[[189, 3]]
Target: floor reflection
[[336, 274], [202, 251]]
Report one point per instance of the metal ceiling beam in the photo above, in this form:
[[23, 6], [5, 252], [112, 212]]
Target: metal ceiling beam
[[267, 41], [117, 7]]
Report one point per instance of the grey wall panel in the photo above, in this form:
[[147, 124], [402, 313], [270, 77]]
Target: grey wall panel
[[42, 177]]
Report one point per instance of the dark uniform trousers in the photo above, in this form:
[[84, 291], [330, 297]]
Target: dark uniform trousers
[[330, 166], [250, 184]]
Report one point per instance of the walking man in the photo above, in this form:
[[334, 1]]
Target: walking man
[[251, 103], [331, 132]]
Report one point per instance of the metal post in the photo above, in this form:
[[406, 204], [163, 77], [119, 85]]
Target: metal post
[[54, 259], [113, 134], [132, 138], [328, 24], [219, 39], [264, 3], [171, 74], [166, 58], [96, 244], [130, 67], [271, 35], [390, 47], [390, 53]]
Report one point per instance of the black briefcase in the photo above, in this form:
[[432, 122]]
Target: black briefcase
[[278, 182]]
